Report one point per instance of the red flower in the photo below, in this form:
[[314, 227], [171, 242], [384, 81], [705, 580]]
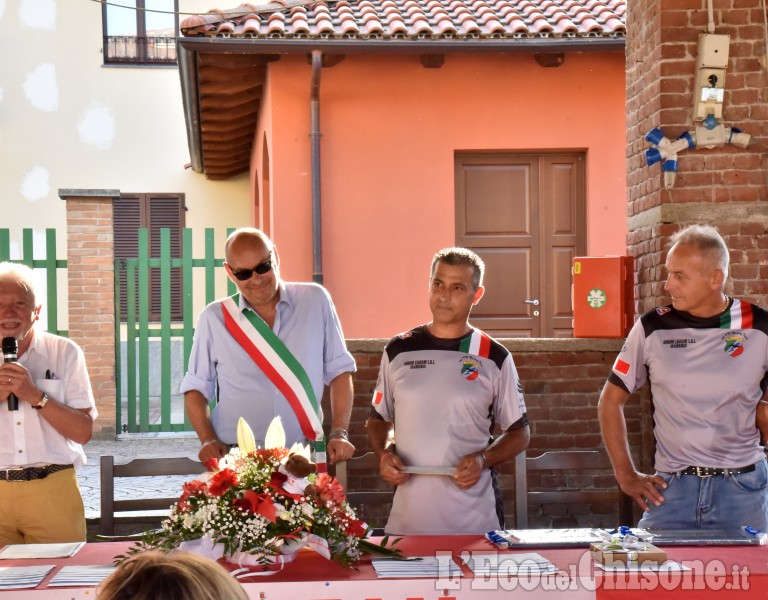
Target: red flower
[[192, 488], [265, 454], [212, 464], [329, 489], [221, 482], [356, 528], [260, 504]]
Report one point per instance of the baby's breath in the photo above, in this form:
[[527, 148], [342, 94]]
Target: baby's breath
[[242, 505]]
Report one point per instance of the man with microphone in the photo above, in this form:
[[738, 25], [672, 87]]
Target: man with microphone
[[46, 414]]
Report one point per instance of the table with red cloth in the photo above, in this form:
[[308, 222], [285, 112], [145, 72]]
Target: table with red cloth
[[716, 572]]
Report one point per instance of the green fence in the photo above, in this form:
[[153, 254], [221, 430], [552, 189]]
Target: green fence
[[147, 343], [50, 263]]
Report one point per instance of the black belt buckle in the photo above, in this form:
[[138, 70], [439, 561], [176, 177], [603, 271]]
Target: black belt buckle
[[704, 472], [30, 473], [7, 474]]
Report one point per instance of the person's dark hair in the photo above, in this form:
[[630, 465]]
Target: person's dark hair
[[154, 575], [461, 257], [708, 242]]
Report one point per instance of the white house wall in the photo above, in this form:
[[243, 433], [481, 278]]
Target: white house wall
[[69, 122]]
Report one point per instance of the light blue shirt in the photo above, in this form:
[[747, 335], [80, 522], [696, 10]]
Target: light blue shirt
[[306, 322]]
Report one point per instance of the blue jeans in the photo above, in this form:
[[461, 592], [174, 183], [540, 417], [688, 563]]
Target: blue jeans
[[718, 502]]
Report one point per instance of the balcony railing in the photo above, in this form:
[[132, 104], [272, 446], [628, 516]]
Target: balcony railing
[[127, 49]]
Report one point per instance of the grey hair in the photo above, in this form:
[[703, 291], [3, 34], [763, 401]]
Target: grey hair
[[708, 241], [19, 274]]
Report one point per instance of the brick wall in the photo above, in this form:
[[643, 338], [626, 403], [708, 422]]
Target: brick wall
[[562, 380], [724, 186], [90, 267]]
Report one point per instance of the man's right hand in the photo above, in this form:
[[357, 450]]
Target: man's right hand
[[391, 469], [644, 489], [212, 449]]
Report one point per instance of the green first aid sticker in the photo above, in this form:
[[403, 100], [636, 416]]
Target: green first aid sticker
[[596, 298]]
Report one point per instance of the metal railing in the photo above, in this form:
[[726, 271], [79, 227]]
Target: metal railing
[[130, 49]]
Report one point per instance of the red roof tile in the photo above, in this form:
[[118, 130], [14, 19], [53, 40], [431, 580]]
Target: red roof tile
[[416, 19]]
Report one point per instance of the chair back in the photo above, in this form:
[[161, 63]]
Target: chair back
[[364, 500], [139, 467], [566, 460]]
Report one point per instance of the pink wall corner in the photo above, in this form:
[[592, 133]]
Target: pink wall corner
[[262, 136], [390, 129]]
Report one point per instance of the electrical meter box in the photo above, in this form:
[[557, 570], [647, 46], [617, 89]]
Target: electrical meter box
[[602, 296], [711, 63]]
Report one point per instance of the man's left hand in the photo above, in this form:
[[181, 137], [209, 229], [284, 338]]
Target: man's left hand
[[468, 471], [339, 449]]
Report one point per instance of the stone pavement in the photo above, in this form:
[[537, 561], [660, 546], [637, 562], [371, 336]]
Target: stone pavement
[[126, 448]]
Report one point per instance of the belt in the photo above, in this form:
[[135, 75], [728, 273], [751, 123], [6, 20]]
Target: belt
[[712, 471], [31, 473]]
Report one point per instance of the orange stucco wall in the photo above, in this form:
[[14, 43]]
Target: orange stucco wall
[[390, 129]]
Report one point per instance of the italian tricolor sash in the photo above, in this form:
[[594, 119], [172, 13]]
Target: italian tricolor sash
[[278, 364], [478, 343]]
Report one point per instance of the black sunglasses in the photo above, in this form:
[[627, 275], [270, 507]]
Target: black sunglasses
[[260, 269]]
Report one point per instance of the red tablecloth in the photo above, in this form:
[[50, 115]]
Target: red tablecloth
[[717, 571]]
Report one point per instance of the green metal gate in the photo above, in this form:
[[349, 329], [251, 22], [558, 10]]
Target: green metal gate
[[145, 349]]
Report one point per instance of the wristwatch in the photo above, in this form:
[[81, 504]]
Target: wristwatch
[[43, 401]]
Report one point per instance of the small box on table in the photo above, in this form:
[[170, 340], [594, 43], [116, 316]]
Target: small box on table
[[611, 555]]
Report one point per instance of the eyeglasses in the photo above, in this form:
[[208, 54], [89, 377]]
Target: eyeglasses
[[260, 269]]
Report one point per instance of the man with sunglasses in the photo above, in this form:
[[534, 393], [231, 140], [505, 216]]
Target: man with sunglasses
[[267, 351]]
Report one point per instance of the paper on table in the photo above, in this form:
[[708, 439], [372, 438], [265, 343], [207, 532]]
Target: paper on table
[[429, 470], [86, 575], [523, 563], [545, 537], [16, 551], [23, 577], [650, 567], [428, 566]]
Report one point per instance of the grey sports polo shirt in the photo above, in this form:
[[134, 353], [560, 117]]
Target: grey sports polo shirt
[[706, 376]]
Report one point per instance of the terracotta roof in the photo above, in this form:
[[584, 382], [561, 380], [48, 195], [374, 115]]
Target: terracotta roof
[[414, 19], [224, 56]]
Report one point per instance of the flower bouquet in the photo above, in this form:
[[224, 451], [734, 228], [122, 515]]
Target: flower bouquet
[[248, 509]]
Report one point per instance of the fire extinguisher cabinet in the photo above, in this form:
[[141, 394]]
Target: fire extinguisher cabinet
[[603, 296]]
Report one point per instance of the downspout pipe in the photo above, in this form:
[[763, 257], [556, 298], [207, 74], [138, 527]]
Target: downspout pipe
[[314, 111]]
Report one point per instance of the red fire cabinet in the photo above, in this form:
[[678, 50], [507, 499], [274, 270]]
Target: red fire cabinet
[[603, 296]]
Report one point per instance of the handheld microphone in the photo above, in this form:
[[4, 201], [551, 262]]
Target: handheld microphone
[[10, 352]]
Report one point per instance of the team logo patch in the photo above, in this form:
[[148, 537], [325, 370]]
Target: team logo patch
[[734, 344], [663, 310], [405, 336], [470, 369]]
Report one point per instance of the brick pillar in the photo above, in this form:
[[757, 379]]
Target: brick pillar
[[727, 186], [90, 266]]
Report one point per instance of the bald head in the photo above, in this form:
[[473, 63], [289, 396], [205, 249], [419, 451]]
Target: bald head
[[245, 238]]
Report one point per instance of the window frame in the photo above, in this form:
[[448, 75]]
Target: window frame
[[140, 42]]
